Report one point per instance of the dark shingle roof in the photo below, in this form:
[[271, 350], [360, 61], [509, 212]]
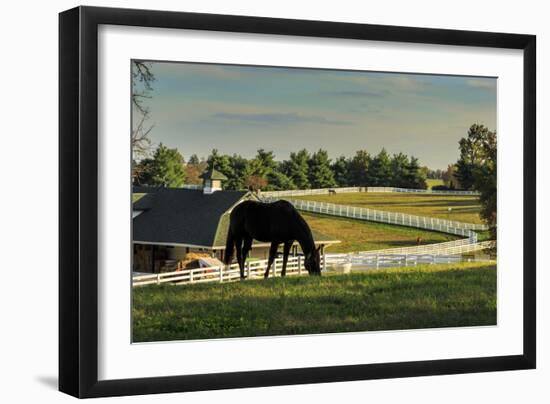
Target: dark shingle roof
[[182, 216], [187, 216]]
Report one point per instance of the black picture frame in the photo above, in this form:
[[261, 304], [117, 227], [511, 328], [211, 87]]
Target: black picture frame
[[78, 200]]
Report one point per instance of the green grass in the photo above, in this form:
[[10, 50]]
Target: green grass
[[137, 196], [360, 235], [464, 208], [396, 299], [431, 183]]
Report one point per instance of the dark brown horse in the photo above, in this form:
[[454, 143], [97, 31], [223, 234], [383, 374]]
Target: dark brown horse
[[278, 223]]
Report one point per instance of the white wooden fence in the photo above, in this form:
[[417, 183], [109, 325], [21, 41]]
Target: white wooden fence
[[420, 191], [343, 190], [461, 246], [253, 269], [317, 191], [402, 219], [295, 265], [376, 261], [434, 253]]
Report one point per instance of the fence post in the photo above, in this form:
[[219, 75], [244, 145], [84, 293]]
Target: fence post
[[299, 265], [247, 269], [221, 274], [158, 279], [191, 276]]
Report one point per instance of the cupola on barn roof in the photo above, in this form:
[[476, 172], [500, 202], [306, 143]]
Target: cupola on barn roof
[[213, 174]]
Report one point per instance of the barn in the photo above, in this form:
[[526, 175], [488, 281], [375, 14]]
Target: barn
[[171, 223]]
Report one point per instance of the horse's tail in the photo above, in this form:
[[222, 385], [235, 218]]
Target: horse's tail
[[229, 247]]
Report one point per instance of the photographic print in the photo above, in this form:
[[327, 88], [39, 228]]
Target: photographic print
[[287, 201]]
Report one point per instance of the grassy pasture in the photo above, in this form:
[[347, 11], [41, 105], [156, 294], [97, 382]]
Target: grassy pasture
[[465, 208], [433, 182], [433, 296], [359, 235]]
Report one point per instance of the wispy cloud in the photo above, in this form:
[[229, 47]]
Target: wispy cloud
[[403, 82], [279, 118]]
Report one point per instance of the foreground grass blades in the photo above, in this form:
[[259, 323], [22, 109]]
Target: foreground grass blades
[[395, 299]]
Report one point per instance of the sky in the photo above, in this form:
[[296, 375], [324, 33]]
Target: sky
[[239, 109]]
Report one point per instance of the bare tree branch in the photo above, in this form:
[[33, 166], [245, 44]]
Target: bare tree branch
[[142, 78]]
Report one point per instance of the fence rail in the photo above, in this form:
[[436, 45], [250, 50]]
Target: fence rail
[[402, 219], [253, 269], [420, 191], [295, 265], [440, 252], [449, 247], [343, 190], [375, 261], [316, 191]]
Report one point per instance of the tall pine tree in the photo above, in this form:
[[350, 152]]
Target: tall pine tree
[[320, 175], [296, 169], [340, 170], [380, 170], [359, 169]]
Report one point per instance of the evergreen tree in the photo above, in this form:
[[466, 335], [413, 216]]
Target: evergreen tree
[[359, 169], [380, 170], [296, 169], [277, 180], [266, 163], [222, 163], [414, 177], [340, 170], [194, 159], [164, 169], [399, 168], [320, 175], [240, 171]]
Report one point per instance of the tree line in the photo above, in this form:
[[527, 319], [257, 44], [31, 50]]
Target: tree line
[[476, 169], [302, 170]]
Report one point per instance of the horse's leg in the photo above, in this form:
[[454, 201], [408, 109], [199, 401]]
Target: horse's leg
[[286, 251], [247, 245], [272, 254], [239, 248]]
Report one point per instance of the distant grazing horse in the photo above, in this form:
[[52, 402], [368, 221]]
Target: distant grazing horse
[[332, 192], [277, 222]]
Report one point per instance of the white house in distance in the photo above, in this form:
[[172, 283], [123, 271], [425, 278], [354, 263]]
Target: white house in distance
[[169, 223]]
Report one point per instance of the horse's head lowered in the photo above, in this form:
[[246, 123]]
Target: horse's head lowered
[[313, 262]]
